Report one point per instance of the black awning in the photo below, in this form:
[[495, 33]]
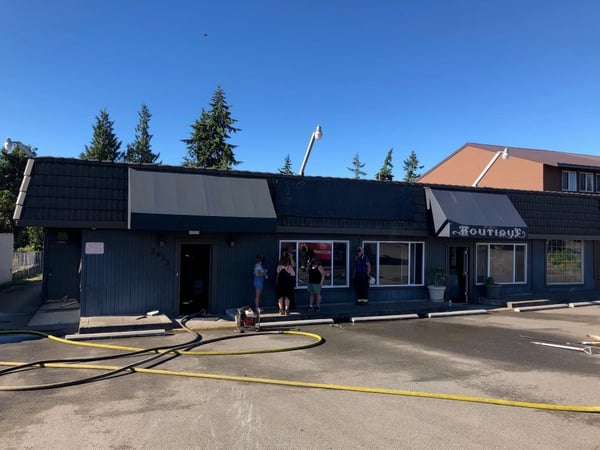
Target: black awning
[[185, 202], [475, 215]]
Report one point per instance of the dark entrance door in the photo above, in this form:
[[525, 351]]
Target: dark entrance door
[[458, 265], [194, 279], [61, 264]]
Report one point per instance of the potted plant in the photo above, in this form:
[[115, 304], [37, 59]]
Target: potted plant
[[492, 289], [438, 288]]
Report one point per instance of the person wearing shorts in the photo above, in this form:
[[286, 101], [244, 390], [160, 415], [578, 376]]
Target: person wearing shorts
[[316, 277], [260, 274]]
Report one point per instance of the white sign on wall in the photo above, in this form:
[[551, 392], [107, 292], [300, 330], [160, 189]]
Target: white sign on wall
[[94, 248]]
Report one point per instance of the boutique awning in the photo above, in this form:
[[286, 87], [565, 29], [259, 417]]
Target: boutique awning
[[475, 215], [197, 202]]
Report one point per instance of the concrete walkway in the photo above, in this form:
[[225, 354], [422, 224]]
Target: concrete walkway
[[22, 308]]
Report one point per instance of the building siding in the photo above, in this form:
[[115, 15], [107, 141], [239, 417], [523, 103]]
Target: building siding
[[133, 276]]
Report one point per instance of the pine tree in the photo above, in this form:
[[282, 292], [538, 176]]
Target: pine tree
[[105, 145], [356, 168], [207, 146], [385, 173], [287, 166], [411, 165], [140, 150]]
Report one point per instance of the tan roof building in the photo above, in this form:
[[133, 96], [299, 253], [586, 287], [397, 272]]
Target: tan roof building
[[496, 166]]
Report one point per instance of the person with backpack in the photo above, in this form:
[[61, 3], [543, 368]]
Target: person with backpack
[[284, 285]]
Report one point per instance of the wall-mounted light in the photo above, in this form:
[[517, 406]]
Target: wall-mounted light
[[9, 145], [505, 155]]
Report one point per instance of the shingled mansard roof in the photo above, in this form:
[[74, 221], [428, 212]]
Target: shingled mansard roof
[[73, 193]]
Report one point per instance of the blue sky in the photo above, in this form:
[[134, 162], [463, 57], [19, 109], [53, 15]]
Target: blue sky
[[412, 75]]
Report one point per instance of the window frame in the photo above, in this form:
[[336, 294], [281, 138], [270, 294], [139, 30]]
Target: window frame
[[480, 278], [301, 279], [411, 270], [585, 182], [566, 247], [570, 177]]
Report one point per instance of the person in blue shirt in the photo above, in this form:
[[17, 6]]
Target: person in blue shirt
[[260, 274], [362, 272]]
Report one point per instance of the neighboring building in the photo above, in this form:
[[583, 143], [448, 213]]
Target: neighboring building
[[126, 238], [537, 170]]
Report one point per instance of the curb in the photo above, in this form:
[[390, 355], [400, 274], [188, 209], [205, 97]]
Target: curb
[[287, 323], [457, 313], [383, 317], [540, 308], [590, 303]]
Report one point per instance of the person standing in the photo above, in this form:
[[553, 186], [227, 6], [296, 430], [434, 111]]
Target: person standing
[[316, 277], [290, 256], [260, 274], [362, 272], [285, 285]]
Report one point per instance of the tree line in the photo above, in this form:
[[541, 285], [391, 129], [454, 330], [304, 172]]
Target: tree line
[[207, 147], [411, 168]]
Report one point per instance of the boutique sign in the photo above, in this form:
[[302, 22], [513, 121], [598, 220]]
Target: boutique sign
[[474, 231]]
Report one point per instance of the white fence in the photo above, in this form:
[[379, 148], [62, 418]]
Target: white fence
[[27, 264]]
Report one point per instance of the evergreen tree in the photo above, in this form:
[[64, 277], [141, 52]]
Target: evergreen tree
[[411, 165], [12, 167], [105, 145], [207, 146], [287, 166], [356, 168], [140, 151], [385, 173]]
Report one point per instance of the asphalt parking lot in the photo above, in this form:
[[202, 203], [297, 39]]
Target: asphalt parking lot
[[400, 384]]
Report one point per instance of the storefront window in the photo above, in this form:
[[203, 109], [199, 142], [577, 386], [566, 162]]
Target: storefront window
[[396, 263], [332, 254], [505, 263], [564, 261]]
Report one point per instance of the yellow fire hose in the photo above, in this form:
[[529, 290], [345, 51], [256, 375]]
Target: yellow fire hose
[[290, 383]]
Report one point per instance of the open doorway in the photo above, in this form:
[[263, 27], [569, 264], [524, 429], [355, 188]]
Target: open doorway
[[458, 274], [194, 279]]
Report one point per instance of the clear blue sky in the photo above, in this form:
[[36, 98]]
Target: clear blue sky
[[422, 75]]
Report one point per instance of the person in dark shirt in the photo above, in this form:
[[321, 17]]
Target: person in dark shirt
[[362, 272], [316, 277], [286, 278]]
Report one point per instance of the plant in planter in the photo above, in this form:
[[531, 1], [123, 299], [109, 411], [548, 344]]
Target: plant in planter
[[492, 289], [438, 288]]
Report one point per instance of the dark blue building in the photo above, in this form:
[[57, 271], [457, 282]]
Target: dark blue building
[[128, 238]]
